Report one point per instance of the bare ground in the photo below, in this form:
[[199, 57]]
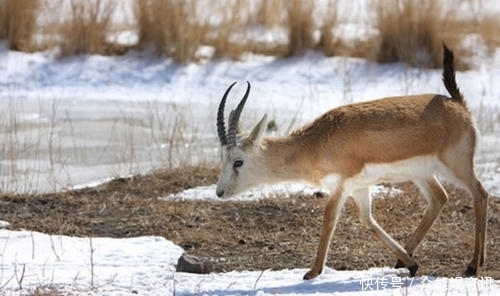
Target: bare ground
[[275, 233]]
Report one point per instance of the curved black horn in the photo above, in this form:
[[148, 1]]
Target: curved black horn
[[233, 125], [221, 126]]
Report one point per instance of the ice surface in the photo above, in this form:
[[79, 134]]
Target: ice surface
[[79, 121]]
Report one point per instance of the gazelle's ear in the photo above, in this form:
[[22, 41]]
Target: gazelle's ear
[[257, 133]]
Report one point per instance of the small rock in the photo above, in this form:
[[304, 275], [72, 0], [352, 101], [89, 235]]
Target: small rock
[[193, 264]]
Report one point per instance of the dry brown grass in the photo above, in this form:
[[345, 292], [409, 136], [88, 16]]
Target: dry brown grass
[[87, 28], [329, 43], [300, 23], [170, 28], [275, 233], [480, 20], [409, 31], [483, 29], [48, 291], [413, 31], [488, 28], [18, 23]]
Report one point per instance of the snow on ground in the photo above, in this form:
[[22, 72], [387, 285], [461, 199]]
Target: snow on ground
[[279, 190], [85, 265], [145, 266], [81, 120]]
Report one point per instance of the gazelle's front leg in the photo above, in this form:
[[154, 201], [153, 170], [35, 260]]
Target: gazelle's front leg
[[330, 218]]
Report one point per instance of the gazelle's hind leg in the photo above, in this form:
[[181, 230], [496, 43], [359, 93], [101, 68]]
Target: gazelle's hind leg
[[436, 198], [363, 200], [480, 197], [459, 160]]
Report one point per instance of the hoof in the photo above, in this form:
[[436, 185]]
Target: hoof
[[413, 270], [471, 271], [399, 264], [310, 275]]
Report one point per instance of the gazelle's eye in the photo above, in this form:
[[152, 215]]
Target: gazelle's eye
[[237, 164]]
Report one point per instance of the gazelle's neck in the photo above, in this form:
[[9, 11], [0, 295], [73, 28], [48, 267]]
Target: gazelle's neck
[[285, 160]]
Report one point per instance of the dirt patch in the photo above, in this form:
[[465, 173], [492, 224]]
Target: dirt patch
[[275, 233]]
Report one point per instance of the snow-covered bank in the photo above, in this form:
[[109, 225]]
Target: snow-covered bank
[[145, 266]]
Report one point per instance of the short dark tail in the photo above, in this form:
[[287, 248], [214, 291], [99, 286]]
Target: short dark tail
[[449, 76]]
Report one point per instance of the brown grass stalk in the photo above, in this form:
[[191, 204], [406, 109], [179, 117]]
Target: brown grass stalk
[[409, 32], [18, 23], [169, 27], [86, 30], [329, 43], [300, 23], [227, 36], [488, 28], [271, 13]]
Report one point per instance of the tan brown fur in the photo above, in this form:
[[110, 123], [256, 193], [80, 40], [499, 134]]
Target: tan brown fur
[[394, 129], [352, 147]]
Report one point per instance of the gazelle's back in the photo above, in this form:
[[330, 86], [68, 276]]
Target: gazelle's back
[[389, 129]]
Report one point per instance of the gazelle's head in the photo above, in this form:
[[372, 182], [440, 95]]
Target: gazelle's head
[[242, 166]]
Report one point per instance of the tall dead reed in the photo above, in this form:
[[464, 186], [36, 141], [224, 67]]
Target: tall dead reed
[[87, 28], [409, 31], [301, 27], [169, 26], [18, 23], [329, 43]]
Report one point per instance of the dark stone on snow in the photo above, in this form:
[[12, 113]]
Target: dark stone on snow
[[193, 264]]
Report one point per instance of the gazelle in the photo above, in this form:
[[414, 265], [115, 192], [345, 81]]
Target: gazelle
[[347, 149]]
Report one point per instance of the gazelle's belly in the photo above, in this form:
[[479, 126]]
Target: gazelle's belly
[[420, 167]]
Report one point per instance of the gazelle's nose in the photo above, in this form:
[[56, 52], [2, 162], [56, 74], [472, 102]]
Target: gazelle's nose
[[219, 193]]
